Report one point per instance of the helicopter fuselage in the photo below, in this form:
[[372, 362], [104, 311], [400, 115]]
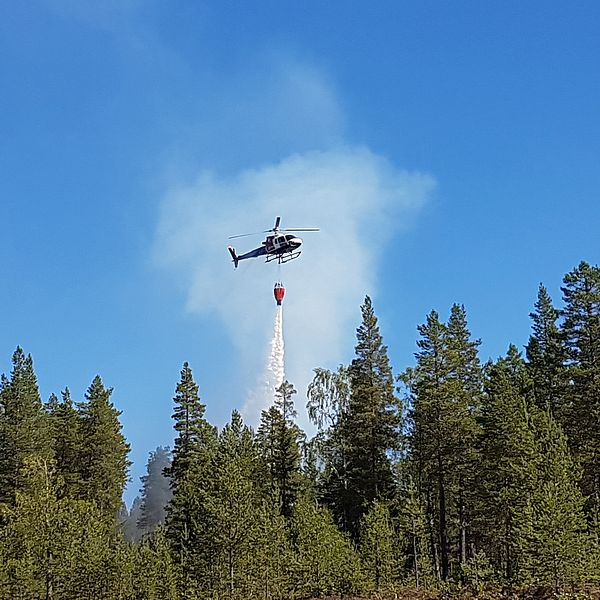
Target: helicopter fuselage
[[278, 246]]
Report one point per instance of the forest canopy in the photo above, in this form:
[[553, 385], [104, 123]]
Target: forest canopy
[[448, 474]]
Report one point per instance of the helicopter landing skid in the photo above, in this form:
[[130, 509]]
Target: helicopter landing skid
[[283, 258]]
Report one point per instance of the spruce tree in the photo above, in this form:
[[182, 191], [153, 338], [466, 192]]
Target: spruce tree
[[546, 356], [23, 425], [371, 429], [104, 453], [189, 473], [66, 434]]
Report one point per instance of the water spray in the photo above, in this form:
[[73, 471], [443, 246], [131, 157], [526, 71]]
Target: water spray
[[275, 367]]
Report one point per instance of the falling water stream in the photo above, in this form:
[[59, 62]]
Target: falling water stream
[[275, 365]]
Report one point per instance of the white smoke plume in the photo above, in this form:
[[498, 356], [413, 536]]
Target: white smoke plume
[[357, 198]]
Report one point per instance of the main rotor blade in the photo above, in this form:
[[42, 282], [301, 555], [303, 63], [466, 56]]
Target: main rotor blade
[[277, 221], [231, 237], [301, 229]]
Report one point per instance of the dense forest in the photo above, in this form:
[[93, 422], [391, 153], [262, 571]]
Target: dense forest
[[451, 475]]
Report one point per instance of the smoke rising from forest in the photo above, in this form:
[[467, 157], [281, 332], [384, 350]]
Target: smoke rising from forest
[[357, 198]]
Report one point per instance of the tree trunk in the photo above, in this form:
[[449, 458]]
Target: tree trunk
[[443, 530], [416, 558]]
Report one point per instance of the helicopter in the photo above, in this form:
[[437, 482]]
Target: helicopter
[[279, 245]]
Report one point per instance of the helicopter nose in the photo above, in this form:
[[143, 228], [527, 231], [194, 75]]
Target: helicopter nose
[[296, 242]]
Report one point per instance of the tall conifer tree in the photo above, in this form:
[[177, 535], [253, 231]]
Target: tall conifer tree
[[507, 466], [190, 468], [105, 452], [23, 424], [546, 356], [279, 438], [66, 433], [371, 429], [581, 334], [444, 391]]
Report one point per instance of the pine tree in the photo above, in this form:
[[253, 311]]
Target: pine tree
[[156, 491], [23, 425], [465, 381], [551, 527], [444, 391], [66, 434], [279, 438], [507, 467], [581, 334], [371, 429], [104, 454], [546, 356]]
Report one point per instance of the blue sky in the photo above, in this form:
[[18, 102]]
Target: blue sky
[[448, 151]]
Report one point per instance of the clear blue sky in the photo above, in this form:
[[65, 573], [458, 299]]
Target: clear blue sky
[[106, 112]]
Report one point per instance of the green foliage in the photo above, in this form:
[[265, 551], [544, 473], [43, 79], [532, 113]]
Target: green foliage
[[328, 401], [444, 390], [153, 573], [378, 548], [370, 430], [104, 452], [67, 435], [55, 548], [581, 335], [23, 425], [324, 560], [478, 572], [230, 507], [546, 356], [189, 473], [414, 535], [551, 527], [479, 488], [507, 464], [279, 440]]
